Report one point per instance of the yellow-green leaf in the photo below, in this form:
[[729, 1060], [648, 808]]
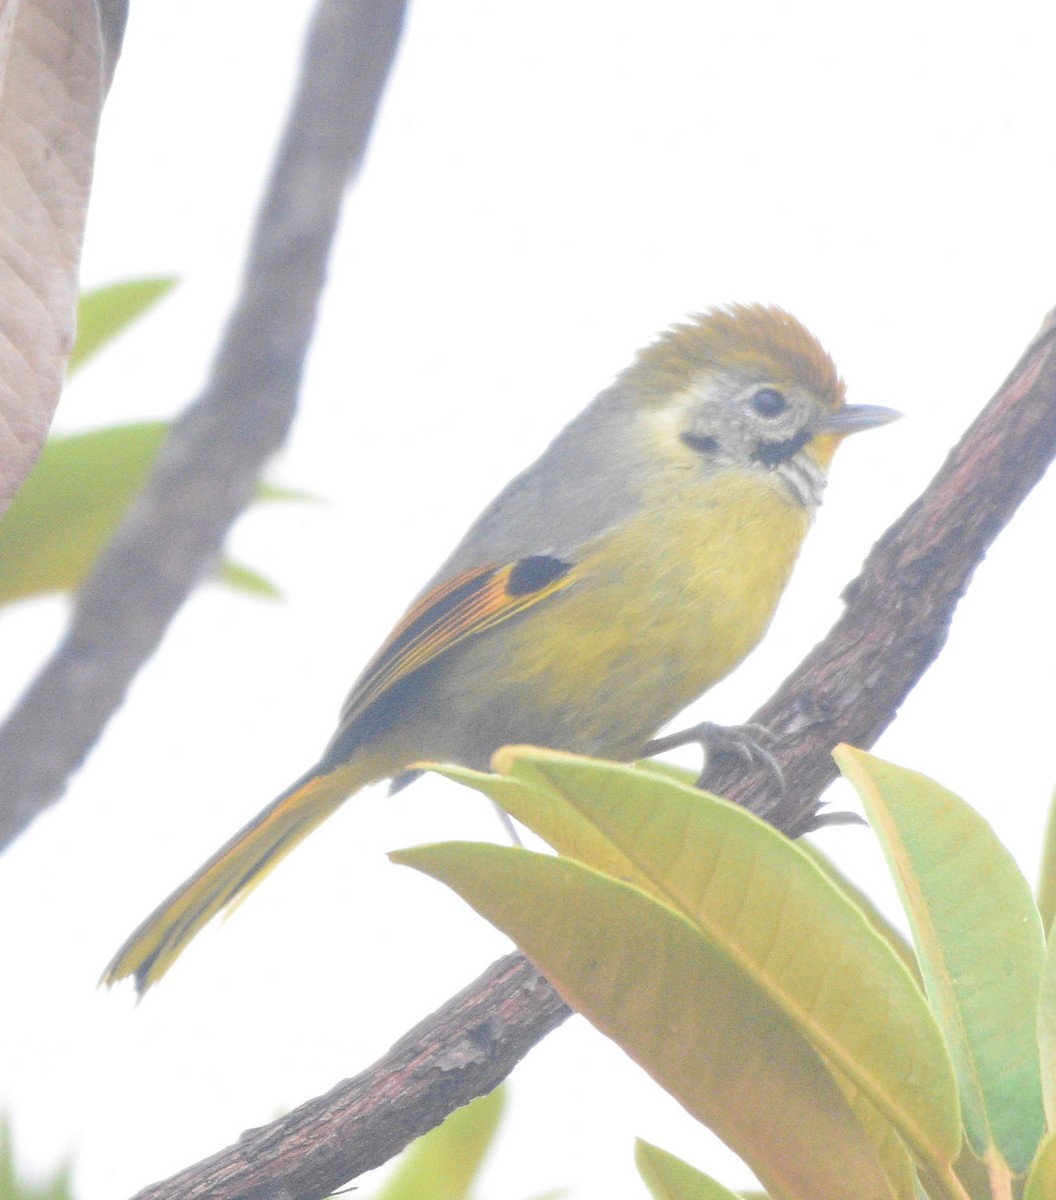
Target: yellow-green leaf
[[70, 505], [102, 314], [892, 935], [443, 1163], [1047, 878], [13, 1186], [1047, 1033], [889, 1147], [245, 579], [644, 976], [669, 1178], [1041, 1182], [980, 944], [761, 902]]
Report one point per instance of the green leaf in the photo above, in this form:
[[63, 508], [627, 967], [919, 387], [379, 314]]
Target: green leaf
[[245, 579], [890, 933], [105, 312], [272, 491], [980, 944], [693, 1019], [1047, 878], [1041, 1182], [889, 1147], [69, 507], [761, 902], [1047, 1032], [13, 1188], [669, 1178], [442, 1164]]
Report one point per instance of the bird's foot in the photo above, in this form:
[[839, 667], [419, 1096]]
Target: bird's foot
[[748, 744]]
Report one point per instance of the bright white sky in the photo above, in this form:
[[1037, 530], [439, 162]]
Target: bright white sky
[[549, 185]]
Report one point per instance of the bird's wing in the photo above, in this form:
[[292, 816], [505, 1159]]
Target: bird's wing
[[449, 613]]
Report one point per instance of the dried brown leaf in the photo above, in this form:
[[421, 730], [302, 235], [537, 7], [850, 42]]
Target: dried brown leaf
[[54, 64]]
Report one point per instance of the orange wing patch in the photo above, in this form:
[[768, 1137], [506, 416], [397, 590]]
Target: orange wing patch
[[453, 611]]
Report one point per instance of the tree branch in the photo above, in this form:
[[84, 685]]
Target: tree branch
[[463, 1050], [206, 471], [847, 689]]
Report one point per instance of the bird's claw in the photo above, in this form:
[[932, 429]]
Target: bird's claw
[[750, 744]]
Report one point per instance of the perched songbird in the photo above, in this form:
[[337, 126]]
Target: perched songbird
[[623, 573]]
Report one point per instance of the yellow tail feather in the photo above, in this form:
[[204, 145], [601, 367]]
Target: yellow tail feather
[[233, 870]]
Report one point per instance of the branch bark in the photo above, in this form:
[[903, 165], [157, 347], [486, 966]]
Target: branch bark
[[463, 1050], [205, 473], [847, 689]]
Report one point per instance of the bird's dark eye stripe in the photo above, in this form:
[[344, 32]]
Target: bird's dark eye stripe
[[769, 402], [703, 443], [770, 454]]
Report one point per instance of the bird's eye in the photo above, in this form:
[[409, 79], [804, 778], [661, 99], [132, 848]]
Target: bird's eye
[[769, 402]]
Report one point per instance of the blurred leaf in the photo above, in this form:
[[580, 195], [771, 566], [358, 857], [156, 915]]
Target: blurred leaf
[[105, 312], [12, 1188], [270, 491], [980, 943], [70, 505], [695, 1021], [762, 903], [669, 1178], [443, 1164], [73, 501], [245, 579], [1041, 1182]]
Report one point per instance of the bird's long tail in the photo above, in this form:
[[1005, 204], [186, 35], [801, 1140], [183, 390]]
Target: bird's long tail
[[237, 866]]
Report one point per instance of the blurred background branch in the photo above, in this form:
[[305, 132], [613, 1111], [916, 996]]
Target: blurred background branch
[[206, 472]]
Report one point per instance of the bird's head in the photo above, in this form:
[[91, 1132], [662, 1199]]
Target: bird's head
[[748, 388]]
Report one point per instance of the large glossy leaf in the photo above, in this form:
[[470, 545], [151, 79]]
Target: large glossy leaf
[[887, 1145], [762, 903], [103, 314], [1047, 1033], [1047, 875], [692, 1018], [889, 932], [443, 1164], [1041, 1182], [980, 944], [669, 1178]]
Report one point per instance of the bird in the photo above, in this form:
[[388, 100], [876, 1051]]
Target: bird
[[623, 573]]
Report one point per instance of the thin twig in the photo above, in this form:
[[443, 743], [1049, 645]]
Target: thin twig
[[207, 469], [847, 689]]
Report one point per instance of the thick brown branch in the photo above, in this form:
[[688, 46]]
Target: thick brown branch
[[207, 469], [464, 1050], [847, 689]]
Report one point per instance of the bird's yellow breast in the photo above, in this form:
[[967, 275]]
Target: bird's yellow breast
[[664, 606]]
